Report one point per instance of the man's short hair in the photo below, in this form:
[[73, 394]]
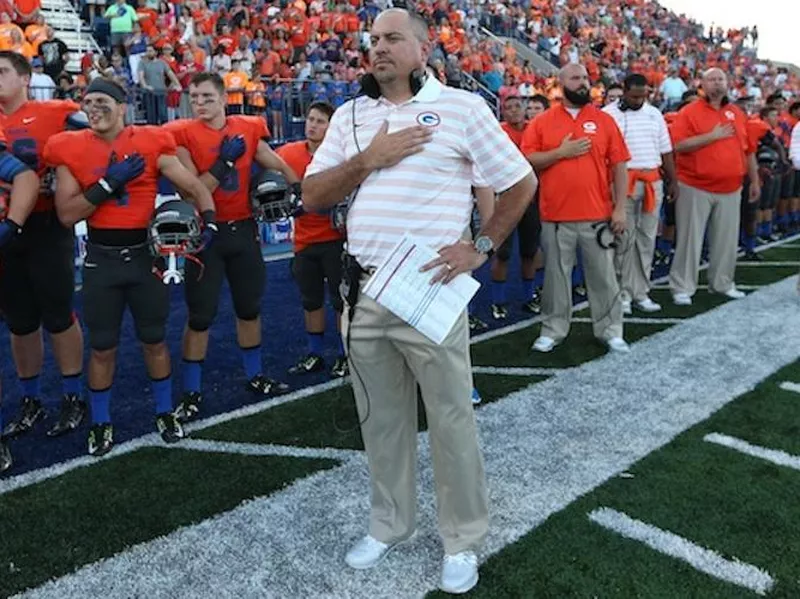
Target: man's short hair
[[541, 99], [776, 97], [513, 97], [794, 107], [324, 107], [613, 86], [634, 80], [212, 78], [764, 112], [18, 62], [689, 93]]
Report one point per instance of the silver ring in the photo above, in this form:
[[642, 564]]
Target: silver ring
[[449, 267]]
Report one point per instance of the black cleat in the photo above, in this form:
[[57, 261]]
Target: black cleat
[[30, 413], [476, 324], [753, 257], [189, 407], [533, 305], [499, 311], [580, 292], [307, 364], [262, 385], [73, 411], [5, 457], [169, 428], [340, 367], [101, 439]]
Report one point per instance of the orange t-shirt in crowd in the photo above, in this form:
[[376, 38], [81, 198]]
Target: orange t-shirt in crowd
[[514, 134], [27, 130], [254, 91], [309, 228], [232, 196], [756, 129], [134, 208], [576, 189], [718, 167], [236, 80]]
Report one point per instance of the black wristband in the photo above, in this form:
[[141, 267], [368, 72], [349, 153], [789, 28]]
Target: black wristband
[[96, 194], [208, 216], [221, 169]]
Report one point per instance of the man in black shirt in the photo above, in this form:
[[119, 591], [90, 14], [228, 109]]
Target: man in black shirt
[[54, 55]]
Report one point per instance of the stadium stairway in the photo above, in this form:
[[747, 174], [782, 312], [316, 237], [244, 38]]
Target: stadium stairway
[[67, 24], [524, 51]]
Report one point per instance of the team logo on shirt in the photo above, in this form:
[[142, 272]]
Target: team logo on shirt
[[590, 127], [429, 119], [730, 116]]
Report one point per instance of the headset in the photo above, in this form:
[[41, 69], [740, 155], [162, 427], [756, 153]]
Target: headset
[[606, 238], [370, 88]]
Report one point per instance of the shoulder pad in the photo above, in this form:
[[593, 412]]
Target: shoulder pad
[[77, 120]]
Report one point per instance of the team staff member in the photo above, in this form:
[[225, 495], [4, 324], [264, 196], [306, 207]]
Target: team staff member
[[318, 250], [38, 282], [24, 189], [112, 182], [794, 154], [412, 158], [574, 147], [223, 149], [528, 231], [645, 133], [713, 157]]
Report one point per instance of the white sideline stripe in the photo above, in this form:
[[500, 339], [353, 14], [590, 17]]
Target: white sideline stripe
[[637, 320], [791, 245], [790, 386], [787, 263], [702, 559], [35, 476], [776, 456], [665, 285], [574, 431], [510, 371], [256, 449], [278, 257]]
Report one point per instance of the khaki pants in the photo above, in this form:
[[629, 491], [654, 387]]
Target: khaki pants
[[692, 212], [634, 259], [389, 358], [560, 242]]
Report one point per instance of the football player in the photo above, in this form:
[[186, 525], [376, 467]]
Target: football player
[[108, 176], [23, 189], [38, 284], [222, 151], [318, 250]]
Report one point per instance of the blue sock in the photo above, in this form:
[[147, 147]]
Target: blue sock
[[763, 229], [498, 292], [340, 344], [71, 384], [785, 219], [1, 419], [192, 373], [538, 279], [315, 343], [251, 357], [162, 391], [100, 401], [668, 245], [749, 243], [31, 386], [796, 216], [527, 288], [577, 276]]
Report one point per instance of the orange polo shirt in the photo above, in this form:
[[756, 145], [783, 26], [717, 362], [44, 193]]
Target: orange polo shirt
[[718, 167], [514, 134], [576, 189]]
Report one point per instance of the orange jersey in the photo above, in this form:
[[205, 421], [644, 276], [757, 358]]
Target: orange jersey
[[29, 128], [514, 134], [718, 167], [232, 196], [576, 189], [756, 129], [87, 156], [309, 228]]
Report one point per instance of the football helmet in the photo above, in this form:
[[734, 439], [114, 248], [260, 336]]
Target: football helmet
[[272, 197], [175, 228]]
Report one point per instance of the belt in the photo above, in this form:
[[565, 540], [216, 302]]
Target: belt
[[124, 253]]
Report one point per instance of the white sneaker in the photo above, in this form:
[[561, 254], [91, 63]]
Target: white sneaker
[[681, 299], [626, 307], [734, 293], [459, 572], [617, 344], [369, 552], [648, 305], [544, 344]]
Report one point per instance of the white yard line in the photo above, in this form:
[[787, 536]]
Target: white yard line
[[256, 449], [749, 264], [790, 386], [637, 320], [702, 559], [511, 371], [776, 456], [665, 285], [544, 446]]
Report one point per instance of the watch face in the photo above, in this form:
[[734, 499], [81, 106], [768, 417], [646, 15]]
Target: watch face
[[483, 244]]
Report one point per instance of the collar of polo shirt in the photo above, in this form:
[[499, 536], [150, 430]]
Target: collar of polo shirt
[[430, 92]]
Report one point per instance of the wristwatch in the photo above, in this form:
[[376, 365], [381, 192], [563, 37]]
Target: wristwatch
[[484, 245]]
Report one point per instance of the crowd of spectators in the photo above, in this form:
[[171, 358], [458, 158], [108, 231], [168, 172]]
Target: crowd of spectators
[[277, 56]]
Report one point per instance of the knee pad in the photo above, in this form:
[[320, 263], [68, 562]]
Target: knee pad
[[22, 326], [311, 304], [150, 334], [58, 323], [103, 340], [199, 323], [249, 311]]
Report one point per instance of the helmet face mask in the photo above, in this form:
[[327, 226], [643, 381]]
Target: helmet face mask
[[272, 198], [175, 229]]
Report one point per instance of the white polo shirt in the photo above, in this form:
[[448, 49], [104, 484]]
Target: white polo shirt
[[645, 132], [794, 147], [428, 194]]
